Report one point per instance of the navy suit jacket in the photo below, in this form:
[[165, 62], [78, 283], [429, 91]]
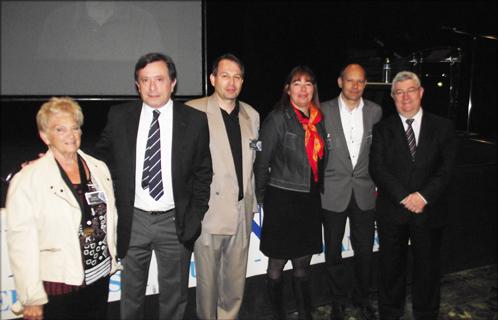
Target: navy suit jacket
[[396, 175], [191, 167]]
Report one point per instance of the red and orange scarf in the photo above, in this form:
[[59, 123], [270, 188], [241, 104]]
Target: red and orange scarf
[[313, 143]]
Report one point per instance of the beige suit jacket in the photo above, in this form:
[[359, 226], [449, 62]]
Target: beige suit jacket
[[222, 216]]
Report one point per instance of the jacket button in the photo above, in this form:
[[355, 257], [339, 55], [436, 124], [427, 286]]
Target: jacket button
[[62, 190]]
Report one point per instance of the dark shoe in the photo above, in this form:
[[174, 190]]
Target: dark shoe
[[337, 312], [275, 293], [367, 312], [301, 287]]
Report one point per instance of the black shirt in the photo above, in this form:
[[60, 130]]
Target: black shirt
[[234, 137]]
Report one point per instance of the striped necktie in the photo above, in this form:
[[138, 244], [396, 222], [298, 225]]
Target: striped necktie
[[151, 175], [410, 136]]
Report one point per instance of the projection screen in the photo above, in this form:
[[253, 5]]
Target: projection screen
[[89, 48]]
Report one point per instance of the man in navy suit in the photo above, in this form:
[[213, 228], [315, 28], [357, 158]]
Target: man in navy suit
[[166, 222], [349, 192], [411, 162]]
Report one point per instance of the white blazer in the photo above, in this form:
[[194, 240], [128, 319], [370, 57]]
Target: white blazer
[[43, 219]]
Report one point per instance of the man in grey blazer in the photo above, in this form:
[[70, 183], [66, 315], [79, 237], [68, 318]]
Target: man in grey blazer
[[349, 191], [222, 248]]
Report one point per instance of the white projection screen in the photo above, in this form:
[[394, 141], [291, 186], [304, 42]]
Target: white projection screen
[[89, 48]]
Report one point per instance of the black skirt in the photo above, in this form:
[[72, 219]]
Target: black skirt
[[292, 223]]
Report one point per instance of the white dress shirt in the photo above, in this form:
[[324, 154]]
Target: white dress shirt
[[142, 198], [352, 126], [417, 121]]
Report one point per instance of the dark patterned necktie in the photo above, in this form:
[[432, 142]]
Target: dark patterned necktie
[[410, 136], [151, 175]]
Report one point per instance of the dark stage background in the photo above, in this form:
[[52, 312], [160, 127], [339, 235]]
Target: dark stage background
[[272, 37]]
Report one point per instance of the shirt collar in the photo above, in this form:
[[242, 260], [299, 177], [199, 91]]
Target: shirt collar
[[343, 107], [417, 117], [235, 111], [162, 108]]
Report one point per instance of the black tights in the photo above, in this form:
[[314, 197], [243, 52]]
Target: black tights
[[300, 267]]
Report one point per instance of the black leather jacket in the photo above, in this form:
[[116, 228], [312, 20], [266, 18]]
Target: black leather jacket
[[283, 162]]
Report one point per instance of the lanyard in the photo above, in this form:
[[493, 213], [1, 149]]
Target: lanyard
[[85, 209]]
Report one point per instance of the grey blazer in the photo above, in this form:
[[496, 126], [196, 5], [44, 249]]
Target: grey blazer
[[340, 177]]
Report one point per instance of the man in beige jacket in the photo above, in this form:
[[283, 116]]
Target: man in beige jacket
[[221, 250]]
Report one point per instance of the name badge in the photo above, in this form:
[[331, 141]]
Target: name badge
[[95, 197], [329, 142], [256, 145]]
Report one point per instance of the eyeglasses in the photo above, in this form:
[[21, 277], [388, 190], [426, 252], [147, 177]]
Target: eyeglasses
[[409, 91]]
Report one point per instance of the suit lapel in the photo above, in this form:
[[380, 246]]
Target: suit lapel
[[337, 123], [57, 183], [246, 136], [425, 132], [219, 135], [179, 132], [367, 120], [132, 122]]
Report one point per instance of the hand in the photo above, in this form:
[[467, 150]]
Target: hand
[[414, 203], [25, 163], [18, 168], [33, 312]]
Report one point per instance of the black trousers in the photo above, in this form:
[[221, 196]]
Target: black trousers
[[425, 244], [361, 225], [89, 302]]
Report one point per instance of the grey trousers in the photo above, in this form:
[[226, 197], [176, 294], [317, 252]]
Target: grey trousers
[[156, 233], [221, 264]]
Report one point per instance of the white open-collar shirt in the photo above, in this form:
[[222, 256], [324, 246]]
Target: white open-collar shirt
[[352, 126]]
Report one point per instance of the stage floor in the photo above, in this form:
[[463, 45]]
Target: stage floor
[[467, 294]]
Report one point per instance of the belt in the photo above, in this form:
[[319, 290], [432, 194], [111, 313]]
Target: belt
[[155, 213]]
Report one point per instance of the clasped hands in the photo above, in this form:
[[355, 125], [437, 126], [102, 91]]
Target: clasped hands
[[414, 202]]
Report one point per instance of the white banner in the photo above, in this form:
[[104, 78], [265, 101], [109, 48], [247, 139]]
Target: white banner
[[257, 264]]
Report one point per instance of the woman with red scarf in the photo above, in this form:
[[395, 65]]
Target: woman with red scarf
[[289, 177]]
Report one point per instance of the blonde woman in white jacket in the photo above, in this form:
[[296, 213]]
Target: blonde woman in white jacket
[[61, 224]]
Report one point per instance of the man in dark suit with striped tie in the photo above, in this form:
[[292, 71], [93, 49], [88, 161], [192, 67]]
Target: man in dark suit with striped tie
[[411, 162], [158, 153]]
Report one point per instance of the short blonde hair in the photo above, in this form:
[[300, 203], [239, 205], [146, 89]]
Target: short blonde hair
[[56, 106]]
